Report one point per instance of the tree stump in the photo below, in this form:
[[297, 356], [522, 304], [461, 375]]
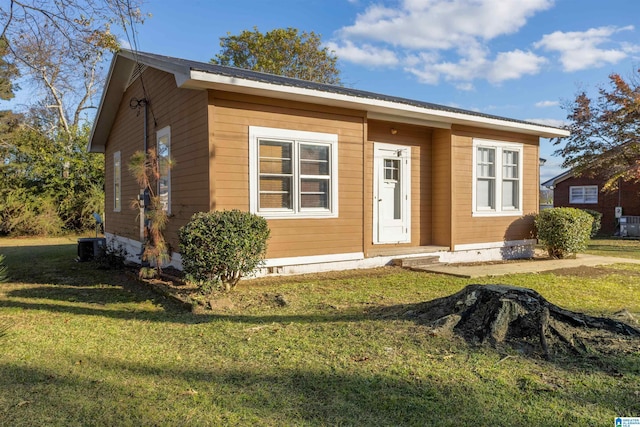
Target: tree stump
[[498, 315]]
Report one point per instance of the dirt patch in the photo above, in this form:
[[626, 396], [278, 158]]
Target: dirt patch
[[498, 316], [584, 271]]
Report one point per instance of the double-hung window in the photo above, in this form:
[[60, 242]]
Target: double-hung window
[[164, 168], [583, 194], [497, 178], [293, 173], [117, 182]]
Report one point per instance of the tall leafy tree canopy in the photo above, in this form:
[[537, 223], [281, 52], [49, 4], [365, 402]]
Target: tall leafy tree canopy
[[282, 51], [48, 181], [8, 72], [605, 132]]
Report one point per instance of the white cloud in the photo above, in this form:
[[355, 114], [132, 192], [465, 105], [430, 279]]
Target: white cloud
[[442, 24], [442, 39], [513, 65], [476, 65], [580, 50], [544, 104], [365, 54]]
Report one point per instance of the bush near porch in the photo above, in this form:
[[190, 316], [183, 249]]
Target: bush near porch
[[89, 344]]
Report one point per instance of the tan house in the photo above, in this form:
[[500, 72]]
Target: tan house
[[345, 178]]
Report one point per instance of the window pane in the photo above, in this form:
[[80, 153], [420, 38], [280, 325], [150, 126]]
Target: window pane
[[509, 164], [314, 152], [163, 170], [486, 162], [275, 192], [276, 175], [117, 203], [510, 195], [591, 194], [314, 193], [275, 166], [314, 159], [485, 194], [275, 157], [576, 194], [391, 169]]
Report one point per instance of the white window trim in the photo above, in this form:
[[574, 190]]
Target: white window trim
[[256, 133], [165, 131], [499, 146], [584, 193], [117, 180]]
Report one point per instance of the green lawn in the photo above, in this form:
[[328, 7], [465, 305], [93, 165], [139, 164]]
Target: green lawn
[[626, 248], [90, 347]]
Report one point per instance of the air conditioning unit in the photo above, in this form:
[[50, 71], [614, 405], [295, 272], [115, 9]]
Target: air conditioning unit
[[629, 226]]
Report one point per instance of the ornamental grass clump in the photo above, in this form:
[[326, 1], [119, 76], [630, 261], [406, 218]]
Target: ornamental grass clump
[[564, 231], [222, 246]]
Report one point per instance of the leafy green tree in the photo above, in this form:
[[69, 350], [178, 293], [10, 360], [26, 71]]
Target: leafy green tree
[[282, 51], [8, 72], [48, 181], [605, 132], [49, 184]]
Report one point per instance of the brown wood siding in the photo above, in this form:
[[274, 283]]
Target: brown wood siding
[[441, 193], [231, 115], [419, 139], [185, 111], [468, 229]]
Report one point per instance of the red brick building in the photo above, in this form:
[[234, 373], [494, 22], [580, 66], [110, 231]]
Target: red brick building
[[586, 193]]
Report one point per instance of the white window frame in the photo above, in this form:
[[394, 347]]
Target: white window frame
[[258, 133], [162, 133], [117, 182], [499, 147], [582, 200]]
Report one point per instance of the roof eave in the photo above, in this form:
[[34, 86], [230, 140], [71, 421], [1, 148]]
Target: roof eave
[[400, 112], [122, 66], [558, 179]]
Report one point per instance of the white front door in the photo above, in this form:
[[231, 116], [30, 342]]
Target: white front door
[[391, 193]]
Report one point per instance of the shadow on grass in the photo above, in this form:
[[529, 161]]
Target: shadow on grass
[[269, 396], [172, 312]]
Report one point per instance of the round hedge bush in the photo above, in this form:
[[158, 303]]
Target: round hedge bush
[[564, 231], [222, 246], [597, 221]]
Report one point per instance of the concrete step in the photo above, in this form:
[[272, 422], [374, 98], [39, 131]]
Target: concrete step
[[416, 262]]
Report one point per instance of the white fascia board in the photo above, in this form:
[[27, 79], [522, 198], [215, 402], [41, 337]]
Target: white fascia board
[[205, 80], [119, 72], [558, 179]]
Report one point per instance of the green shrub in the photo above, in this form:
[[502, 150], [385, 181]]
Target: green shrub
[[597, 221], [22, 214], [563, 231], [222, 246]]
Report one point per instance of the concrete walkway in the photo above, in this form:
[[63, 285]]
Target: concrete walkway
[[527, 266]]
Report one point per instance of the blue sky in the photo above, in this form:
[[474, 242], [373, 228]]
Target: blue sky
[[513, 58]]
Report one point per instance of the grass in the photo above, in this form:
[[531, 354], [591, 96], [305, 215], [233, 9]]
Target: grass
[[625, 248], [90, 347]]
